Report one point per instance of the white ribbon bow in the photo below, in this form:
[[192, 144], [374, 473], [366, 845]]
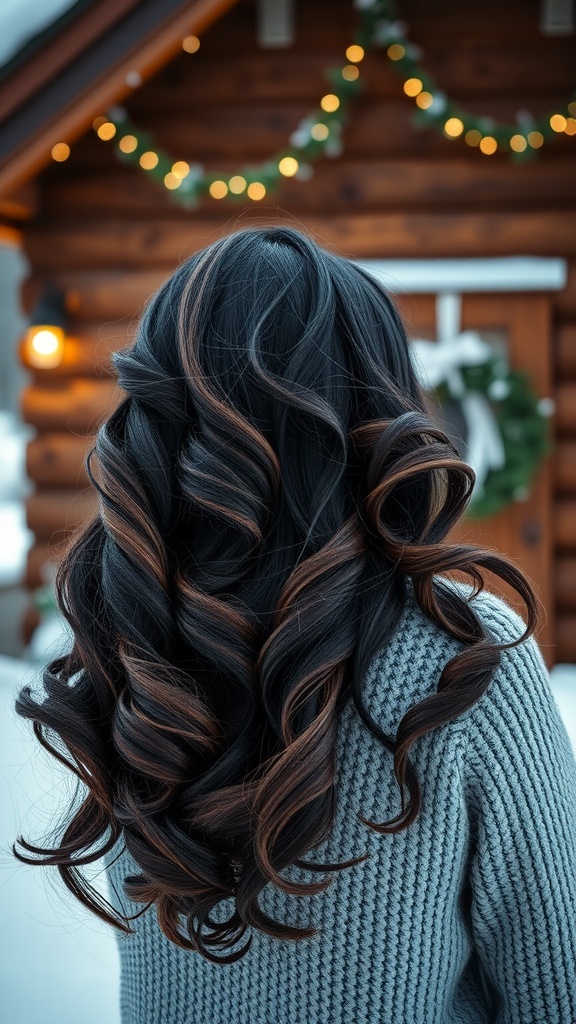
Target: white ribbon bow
[[441, 362]]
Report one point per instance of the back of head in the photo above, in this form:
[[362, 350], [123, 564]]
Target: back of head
[[269, 488]]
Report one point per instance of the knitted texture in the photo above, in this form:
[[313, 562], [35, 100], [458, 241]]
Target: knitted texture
[[468, 916]]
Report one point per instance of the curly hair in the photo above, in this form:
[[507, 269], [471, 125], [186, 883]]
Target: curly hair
[[269, 488]]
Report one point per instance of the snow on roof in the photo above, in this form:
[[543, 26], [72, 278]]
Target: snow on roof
[[21, 20]]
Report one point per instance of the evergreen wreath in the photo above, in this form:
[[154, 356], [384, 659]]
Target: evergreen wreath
[[320, 132], [521, 418]]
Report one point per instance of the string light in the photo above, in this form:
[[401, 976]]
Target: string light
[[535, 139], [172, 180], [60, 152], [316, 135], [488, 145], [453, 127], [355, 53], [473, 137], [396, 51], [218, 189], [180, 169], [256, 191], [412, 86], [128, 143], [518, 143], [330, 103], [148, 160], [191, 44], [237, 184], [424, 100], [558, 123], [288, 166], [319, 131], [106, 131]]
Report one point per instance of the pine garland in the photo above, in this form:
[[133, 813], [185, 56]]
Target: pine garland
[[320, 132]]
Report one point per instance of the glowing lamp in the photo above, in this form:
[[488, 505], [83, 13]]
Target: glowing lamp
[[43, 346]]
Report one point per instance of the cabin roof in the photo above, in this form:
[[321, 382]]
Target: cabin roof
[[91, 57]]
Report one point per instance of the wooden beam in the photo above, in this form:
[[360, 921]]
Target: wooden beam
[[45, 63], [564, 466], [72, 115], [402, 183], [165, 242], [53, 513]]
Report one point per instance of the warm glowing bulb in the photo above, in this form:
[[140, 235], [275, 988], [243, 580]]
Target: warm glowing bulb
[[424, 100], [128, 143], [412, 86], [535, 139], [191, 44], [473, 137], [518, 143], [396, 51], [237, 184], [350, 73], [558, 122], [354, 53], [180, 169], [320, 132], [288, 166], [218, 189], [453, 127], [60, 152], [330, 103], [44, 346], [256, 191], [570, 128], [149, 160], [172, 181], [106, 131], [488, 145]]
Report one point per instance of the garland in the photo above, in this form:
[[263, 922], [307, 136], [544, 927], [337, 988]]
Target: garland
[[320, 132]]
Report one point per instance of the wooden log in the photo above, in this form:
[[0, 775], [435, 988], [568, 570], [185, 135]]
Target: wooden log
[[564, 466], [102, 295], [565, 350], [565, 582], [41, 563], [565, 300], [52, 514], [566, 638], [564, 523], [402, 184], [164, 243], [77, 405], [379, 129], [483, 67], [58, 459], [566, 408]]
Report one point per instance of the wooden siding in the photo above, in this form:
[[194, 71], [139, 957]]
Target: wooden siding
[[110, 236]]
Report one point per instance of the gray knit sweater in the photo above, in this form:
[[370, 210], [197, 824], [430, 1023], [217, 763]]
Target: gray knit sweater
[[468, 916]]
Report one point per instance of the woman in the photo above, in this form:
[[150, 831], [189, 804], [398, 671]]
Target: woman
[[331, 783]]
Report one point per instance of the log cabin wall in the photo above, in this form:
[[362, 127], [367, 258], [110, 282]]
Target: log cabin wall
[[110, 236]]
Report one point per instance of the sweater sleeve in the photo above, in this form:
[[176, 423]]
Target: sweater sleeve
[[521, 780]]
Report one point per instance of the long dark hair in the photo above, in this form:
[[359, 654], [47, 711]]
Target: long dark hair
[[270, 487]]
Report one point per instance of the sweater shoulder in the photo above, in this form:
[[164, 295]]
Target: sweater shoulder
[[408, 668]]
